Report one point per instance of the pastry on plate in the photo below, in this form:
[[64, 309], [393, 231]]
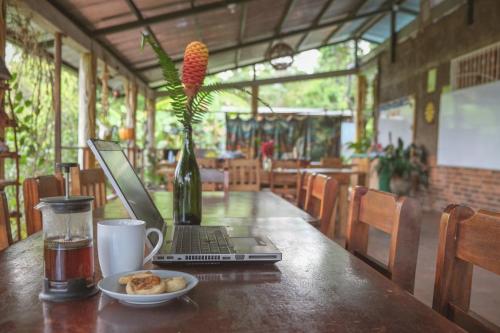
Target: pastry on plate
[[175, 284], [126, 278], [146, 285]]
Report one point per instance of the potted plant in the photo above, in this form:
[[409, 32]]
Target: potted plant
[[395, 169]]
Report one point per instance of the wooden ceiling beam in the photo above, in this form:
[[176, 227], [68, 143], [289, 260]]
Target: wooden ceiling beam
[[407, 10], [286, 11], [281, 35], [138, 15], [368, 24], [353, 12], [166, 17], [241, 32], [315, 22], [56, 18]]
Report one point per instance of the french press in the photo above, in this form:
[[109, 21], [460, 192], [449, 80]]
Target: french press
[[68, 245]]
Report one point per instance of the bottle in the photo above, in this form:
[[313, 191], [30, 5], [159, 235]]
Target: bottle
[[187, 184]]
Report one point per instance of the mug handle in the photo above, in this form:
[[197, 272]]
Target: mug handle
[[157, 246]]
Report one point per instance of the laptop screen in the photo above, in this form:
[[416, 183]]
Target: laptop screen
[[126, 183]]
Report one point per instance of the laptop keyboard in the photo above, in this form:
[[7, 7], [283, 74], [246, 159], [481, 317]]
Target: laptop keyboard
[[196, 239]]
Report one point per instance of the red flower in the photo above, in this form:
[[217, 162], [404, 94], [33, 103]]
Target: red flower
[[267, 149]]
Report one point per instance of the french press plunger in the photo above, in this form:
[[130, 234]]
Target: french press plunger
[[68, 245]]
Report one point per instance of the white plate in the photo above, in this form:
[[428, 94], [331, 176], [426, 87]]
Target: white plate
[[112, 288]]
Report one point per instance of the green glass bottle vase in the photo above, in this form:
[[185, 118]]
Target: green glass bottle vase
[[187, 184]]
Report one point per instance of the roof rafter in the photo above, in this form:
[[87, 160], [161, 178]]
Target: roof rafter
[[286, 11], [241, 32], [138, 14], [368, 24], [57, 18], [281, 35], [166, 17], [315, 22], [353, 12]]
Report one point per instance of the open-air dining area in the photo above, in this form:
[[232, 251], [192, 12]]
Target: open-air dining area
[[249, 166]]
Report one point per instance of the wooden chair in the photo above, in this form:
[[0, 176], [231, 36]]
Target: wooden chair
[[284, 184], [207, 163], [285, 164], [304, 184], [331, 162], [89, 182], [321, 202], [244, 175], [466, 238], [214, 180], [33, 190], [5, 231], [398, 217]]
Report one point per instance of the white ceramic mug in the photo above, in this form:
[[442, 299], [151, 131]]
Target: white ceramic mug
[[120, 245]]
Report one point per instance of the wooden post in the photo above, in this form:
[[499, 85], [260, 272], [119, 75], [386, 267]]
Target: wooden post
[[255, 101], [360, 106], [150, 139], [255, 111], [87, 108], [131, 106], [57, 96], [376, 94]]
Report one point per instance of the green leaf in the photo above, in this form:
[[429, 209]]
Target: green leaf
[[19, 96]]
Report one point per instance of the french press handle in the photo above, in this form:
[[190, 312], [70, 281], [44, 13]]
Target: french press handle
[[65, 168]]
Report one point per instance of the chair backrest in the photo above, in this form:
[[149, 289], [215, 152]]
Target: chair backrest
[[285, 164], [331, 162], [5, 231], [303, 186], [33, 190], [398, 217], [321, 201], [89, 182], [214, 180], [466, 238], [244, 174], [284, 184], [207, 163]]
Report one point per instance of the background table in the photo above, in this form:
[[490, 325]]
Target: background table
[[317, 287]]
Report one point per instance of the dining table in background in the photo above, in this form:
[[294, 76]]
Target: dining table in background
[[317, 287]]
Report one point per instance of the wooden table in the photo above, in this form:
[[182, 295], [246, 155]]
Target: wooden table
[[343, 177], [317, 287]]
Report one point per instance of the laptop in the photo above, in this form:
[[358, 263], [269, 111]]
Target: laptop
[[182, 243]]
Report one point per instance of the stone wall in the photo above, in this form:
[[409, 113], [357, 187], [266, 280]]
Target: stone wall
[[434, 47]]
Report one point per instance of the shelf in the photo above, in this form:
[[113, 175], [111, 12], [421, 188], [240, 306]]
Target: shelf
[[9, 154], [4, 183]]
